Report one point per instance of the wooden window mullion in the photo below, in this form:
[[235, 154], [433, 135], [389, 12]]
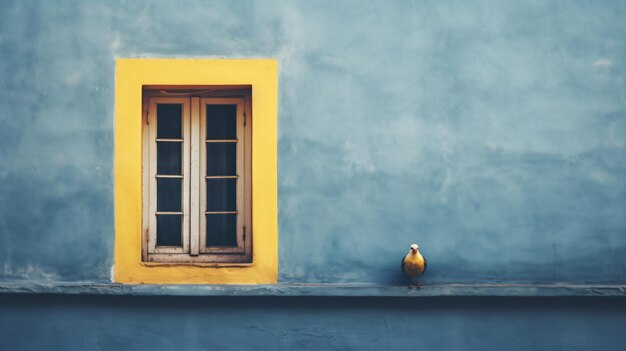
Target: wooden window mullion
[[195, 178], [201, 178], [240, 173]]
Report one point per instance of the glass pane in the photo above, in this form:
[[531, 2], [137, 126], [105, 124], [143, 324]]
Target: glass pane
[[221, 159], [169, 157], [221, 194], [169, 194], [221, 230], [221, 122], [169, 124], [169, 229]]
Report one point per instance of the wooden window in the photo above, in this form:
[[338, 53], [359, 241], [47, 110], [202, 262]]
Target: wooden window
[[197, 181]]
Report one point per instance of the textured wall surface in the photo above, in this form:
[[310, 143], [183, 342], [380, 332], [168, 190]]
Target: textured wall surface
[[141, 323], [492, 133]]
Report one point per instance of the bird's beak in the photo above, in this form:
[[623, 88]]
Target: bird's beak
[[414, 250]]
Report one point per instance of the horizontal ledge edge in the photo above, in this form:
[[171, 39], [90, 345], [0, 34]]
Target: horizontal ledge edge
[[302, 289]]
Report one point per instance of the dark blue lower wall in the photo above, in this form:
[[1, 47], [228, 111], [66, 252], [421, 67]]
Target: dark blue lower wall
[[46, 322]]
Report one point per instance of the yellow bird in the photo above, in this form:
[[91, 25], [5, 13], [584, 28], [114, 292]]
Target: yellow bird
[[414, 265]]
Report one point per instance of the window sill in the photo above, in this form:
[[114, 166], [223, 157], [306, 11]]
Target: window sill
[[197, 264], [330, 290]]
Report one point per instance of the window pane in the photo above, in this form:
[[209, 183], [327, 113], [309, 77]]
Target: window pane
[[221, 230], [169, 124], [221, 122], [169, 194], [169, 158], [221, 159], [221, 194], [169, 229]]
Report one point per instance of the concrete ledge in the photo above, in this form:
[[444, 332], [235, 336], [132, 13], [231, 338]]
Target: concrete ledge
[[336, 290]]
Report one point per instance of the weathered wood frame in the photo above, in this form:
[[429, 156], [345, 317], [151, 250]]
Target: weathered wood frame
[[194, 250]]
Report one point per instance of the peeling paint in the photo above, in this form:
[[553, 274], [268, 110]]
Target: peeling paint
[[603, 63]]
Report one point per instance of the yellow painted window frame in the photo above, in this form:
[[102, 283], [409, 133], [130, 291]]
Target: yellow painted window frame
[[131, 75]]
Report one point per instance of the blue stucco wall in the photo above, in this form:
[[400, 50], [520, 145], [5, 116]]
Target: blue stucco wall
[[491, 133]]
